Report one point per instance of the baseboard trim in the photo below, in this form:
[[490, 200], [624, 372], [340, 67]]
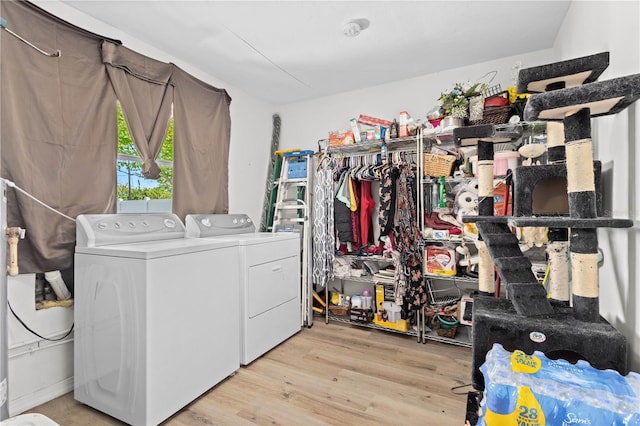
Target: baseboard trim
[[39, 397]]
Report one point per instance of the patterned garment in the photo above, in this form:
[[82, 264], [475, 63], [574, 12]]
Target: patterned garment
[[400, 281], [389, 175], [410, 240], [323, 232]]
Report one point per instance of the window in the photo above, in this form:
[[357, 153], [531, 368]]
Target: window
[[135, 192]]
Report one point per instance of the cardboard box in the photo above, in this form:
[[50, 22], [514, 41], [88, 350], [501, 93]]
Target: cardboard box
[[373, 121]]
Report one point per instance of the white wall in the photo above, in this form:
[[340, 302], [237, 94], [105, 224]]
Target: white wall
[[304, 123], [592, 27], [39, 370]]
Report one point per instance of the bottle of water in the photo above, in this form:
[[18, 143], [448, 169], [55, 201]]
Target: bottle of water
[[435, 197]]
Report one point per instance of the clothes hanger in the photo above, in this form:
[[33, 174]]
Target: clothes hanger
[[367, 172], [355, 166], [362, 172]]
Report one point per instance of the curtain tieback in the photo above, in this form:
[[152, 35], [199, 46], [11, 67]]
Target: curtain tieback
[[150, 169]]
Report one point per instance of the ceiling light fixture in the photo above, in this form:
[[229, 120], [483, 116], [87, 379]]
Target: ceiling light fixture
[[355, 26]]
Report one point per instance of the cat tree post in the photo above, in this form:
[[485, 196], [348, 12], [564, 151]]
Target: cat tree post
[[583, 242], [486, 275], [558, 245]]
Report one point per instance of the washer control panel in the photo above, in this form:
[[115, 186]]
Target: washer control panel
[[211, 225], [105, 229]]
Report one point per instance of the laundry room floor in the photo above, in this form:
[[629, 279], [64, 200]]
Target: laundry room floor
[[327, 374]]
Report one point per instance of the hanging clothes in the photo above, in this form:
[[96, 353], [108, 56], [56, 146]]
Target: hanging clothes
[[343, 193], [366, 209], [323, 224], [342, 210], [387, 193], [399, 279], [355, 214], [409, 239]]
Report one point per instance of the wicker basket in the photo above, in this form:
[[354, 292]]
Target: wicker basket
[[495, 115], [444, 332], [437, 165], [339, 310]]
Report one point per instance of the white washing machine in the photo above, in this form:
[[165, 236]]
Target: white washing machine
[[269, 279], [156, 315]]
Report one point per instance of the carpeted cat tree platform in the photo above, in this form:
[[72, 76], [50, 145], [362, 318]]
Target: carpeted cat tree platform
[[564, 323]]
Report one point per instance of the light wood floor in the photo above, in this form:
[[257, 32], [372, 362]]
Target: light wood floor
[[327, 374]]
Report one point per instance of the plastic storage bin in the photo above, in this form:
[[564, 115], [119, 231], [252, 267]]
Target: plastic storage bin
[[297, 169], [502, 161]]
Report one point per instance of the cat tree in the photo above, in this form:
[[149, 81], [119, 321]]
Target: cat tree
[[568, 93]]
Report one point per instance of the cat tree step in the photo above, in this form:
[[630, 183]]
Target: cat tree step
[[499, 239], [520, 278], [529, 298], [600, 97], [470, 135], [571, 222], [513, 264], [573, 72], [486, 219]]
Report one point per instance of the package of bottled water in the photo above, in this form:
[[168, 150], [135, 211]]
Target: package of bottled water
[[533, 390]]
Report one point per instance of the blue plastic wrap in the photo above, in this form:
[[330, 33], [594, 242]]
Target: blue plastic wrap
[[533, 390]]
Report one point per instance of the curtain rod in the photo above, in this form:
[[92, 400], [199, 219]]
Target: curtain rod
[[3, 25]]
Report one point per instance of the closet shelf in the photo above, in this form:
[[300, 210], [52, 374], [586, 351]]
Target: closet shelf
[[450, 240], [462, 338], [374, 257], [363, 279], [455, 278], [397, 144], [346, 320], [449, 179]]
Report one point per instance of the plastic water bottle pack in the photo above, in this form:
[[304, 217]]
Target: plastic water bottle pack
[[533, 390]]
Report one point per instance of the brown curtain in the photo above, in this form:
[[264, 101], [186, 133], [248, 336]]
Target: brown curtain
[[58, 132], [141, 85], [201, 131]]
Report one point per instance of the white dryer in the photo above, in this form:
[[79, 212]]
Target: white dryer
[[269, 285], [156, 315]]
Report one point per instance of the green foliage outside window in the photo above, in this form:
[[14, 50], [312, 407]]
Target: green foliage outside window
[[133, 169]]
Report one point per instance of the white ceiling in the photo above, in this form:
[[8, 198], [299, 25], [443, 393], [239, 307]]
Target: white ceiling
[[287, 51]]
